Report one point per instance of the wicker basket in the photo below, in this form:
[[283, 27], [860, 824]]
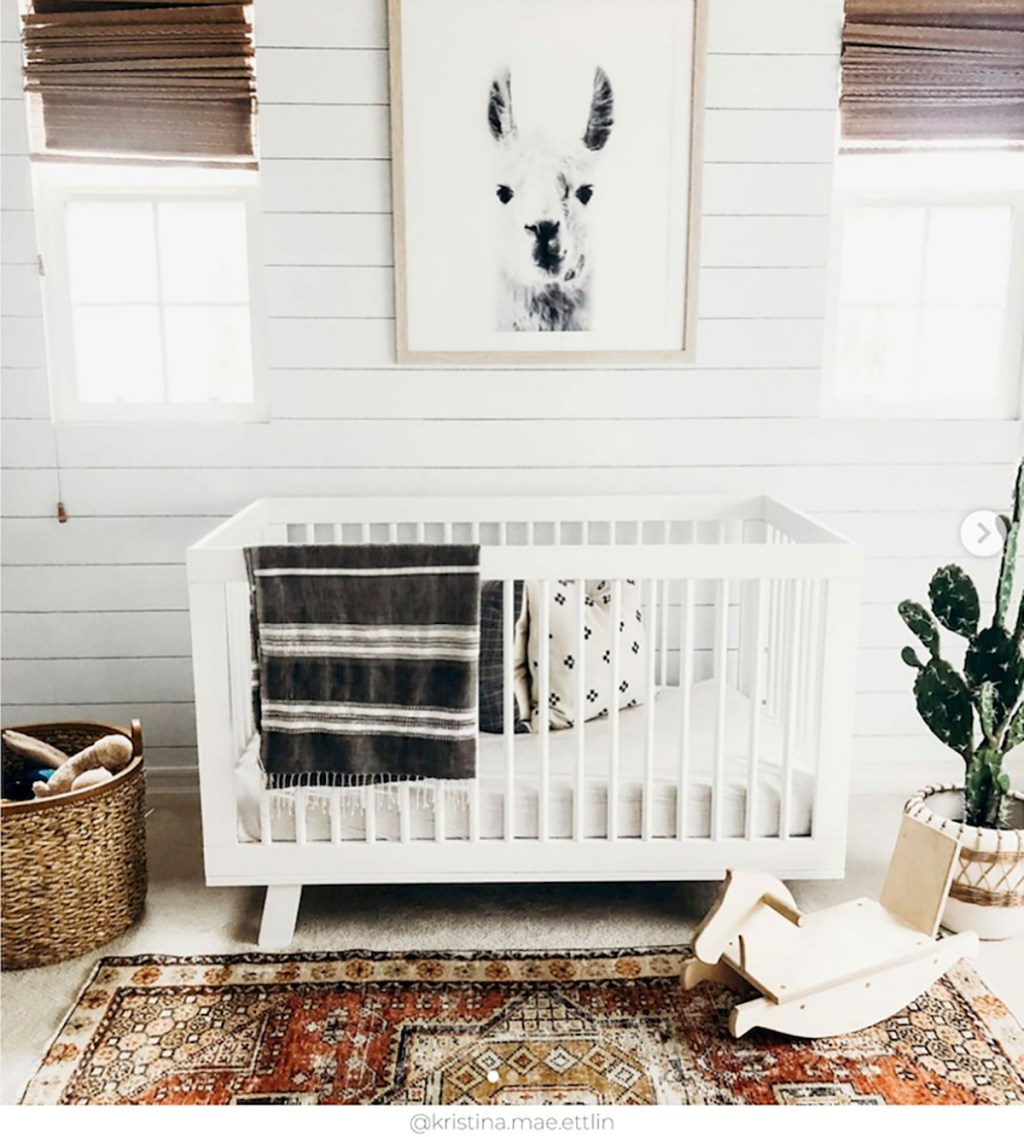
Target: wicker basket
[[987, 893], [74, 865]]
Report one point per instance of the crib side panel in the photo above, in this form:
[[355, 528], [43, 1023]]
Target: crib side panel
[[211, 663], [835, 707], [733, 602]]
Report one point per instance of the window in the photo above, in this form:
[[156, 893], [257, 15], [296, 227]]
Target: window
[[142, 132], [926, 311], [150, 304]]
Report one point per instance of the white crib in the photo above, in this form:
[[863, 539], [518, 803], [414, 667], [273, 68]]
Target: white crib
[[741, 760]]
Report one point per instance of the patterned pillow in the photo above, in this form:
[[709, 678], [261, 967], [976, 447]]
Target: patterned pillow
[[492, 685], [597, 631]]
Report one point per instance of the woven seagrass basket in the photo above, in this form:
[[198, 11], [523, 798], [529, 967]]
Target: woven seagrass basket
[[987, 893], [74, 865]]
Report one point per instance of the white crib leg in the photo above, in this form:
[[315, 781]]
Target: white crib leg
[[280, 909]]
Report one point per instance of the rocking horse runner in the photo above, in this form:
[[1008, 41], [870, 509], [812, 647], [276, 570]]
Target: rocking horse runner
[[841, 969]]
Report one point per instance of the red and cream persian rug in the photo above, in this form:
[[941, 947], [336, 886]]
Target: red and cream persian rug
[[537, 1028]]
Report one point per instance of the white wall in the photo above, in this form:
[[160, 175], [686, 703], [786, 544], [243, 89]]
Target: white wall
[[95, 621]]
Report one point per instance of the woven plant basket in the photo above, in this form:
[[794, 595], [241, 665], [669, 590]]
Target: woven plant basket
[[987, 893], [74, 865]]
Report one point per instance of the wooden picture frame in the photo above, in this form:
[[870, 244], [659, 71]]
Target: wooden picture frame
[[528, 317]]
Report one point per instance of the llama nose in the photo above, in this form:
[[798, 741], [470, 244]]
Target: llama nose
[[546, 232]]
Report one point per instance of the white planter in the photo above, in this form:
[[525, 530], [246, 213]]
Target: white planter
[[987, 894]]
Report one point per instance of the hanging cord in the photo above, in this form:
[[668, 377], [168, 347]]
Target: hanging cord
[[62, 513]]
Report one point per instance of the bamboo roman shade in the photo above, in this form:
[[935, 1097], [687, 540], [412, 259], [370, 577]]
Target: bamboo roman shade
[[933, 70], [166, 79]]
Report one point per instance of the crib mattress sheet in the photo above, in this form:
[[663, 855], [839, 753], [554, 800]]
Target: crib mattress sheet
[[491, 783]]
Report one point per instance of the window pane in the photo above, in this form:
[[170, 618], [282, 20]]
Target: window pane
[[111, 251], [876, 353], [960, 353], [204, 251], [209, 355], [968, 258], [882, 255], [117, 354]]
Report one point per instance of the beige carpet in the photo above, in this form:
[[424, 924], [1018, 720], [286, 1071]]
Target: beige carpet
[[184, 917]]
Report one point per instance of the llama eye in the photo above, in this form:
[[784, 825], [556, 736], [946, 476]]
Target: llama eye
[[585, 193], [504, 194]]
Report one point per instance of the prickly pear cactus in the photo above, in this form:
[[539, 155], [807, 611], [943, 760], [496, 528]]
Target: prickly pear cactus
[[1004, 590], [955, 600], [993, 657], [985, 787], [992, 684], [944, 702], [919, 620]]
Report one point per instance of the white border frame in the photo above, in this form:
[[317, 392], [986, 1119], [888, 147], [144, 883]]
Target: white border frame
[[54, 184], [686, 353], [928, 188]]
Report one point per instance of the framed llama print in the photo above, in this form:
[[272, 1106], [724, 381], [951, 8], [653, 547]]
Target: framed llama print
[[544, 163]]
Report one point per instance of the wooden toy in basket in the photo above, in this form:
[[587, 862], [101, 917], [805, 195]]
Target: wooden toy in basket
[[844, 968], [73, 864]]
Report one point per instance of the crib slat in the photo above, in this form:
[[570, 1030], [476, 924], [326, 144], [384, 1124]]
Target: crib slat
[[775, 638], [508, 724], [404, 813], [370, 813], [474, 531], [792, 698], [809, 655], [581, 702], [392, 532], [335, 807], [647, 805], [447, 532], [721, 691], [543, 699], [757, 593], [336, 533], [309, 533], [421, 532], [439, 812], [663, 616], [266, 834], [613, 712], [364, 533], [301, 823], [685, 691]]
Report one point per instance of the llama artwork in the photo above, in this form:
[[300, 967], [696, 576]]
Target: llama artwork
[[543, 197]]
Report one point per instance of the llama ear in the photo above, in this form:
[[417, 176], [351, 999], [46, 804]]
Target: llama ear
[[499, 108], [602, 106]]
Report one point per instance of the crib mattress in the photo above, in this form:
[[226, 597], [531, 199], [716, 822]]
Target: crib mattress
[[491, 783]]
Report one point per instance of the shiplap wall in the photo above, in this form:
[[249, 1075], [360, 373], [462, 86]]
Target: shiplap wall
[[95, 621]]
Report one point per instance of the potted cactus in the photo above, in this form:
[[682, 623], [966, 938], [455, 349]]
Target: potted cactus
[[977, 711]]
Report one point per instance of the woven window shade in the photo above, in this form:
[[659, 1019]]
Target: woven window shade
[[167, 79], [933, 70]]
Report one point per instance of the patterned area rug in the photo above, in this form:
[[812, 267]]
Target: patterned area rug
[[580, 1028]]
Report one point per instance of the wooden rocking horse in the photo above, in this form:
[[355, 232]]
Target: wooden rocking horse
[[844, 968]]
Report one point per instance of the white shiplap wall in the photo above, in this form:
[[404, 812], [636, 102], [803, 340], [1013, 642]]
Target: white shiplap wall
[[95, 621]]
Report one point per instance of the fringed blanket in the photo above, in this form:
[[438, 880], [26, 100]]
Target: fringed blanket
[[365, 662]]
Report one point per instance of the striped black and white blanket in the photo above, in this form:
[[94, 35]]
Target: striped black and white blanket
[[365, 662]]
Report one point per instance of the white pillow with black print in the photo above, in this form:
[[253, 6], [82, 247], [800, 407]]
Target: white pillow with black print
[[597, 631]]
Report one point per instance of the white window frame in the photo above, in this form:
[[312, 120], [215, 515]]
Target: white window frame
[[939, 178], [55, 184]]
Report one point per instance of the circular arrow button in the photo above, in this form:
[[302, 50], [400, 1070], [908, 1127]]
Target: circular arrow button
[[981, 533]]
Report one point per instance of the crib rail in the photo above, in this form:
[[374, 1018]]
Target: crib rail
[[740, 741]]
